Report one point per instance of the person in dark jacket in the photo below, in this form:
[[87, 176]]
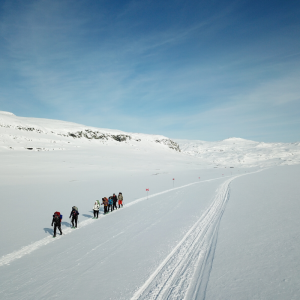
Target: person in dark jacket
[[74, 214], [57, 223], [115, 200]]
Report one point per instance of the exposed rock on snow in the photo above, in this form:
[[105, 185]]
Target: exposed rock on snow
[[90, 134], [171, 144]]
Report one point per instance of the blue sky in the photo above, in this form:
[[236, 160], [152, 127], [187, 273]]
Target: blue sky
[[205, 70]]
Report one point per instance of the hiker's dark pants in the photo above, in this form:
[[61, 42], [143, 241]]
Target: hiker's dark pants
[[96, 213], [114, 206], [59, 228], [105, 209], [74, 218], [109, 207]]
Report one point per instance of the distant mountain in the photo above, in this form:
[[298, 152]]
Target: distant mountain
[[236, 152]]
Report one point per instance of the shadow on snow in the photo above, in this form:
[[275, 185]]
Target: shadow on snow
[[87, 216], [49, 230]]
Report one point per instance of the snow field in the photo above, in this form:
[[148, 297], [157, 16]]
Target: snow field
[[124, 247], [186, 258], [36, 184]]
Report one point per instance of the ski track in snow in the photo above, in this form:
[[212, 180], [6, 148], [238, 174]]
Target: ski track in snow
[[8, 258], [184, 273]]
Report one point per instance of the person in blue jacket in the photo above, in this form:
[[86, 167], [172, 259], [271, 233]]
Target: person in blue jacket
[[110, 204]]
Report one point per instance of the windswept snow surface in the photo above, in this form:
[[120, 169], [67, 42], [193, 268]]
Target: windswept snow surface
[[230, 234]]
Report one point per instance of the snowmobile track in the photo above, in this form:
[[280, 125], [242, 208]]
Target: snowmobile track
[[184, 273]]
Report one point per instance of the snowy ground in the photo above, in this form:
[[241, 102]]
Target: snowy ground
[[232, 234]]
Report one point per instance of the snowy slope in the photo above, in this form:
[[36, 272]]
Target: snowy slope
[[192, 238], [18, 133]]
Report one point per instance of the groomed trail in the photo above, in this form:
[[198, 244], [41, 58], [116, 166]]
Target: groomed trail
[[8, 258], [184, 273]]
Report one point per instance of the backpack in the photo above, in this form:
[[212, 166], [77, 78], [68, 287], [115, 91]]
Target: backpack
[[98, 202], [75, 211], [57, 217]]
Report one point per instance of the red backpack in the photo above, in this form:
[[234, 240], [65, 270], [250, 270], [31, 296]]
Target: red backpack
[[57, 213]]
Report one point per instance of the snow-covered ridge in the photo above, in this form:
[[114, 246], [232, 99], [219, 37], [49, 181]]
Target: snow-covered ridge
[[15, 128], [6, 113], [19, 133]]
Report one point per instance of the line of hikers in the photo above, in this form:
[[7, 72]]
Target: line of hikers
[[109, 204]]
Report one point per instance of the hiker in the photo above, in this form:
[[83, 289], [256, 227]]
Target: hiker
[[57, 217], [120, 198], [105, 203], [110, 204], [96, 209], [115, 199], [74, 214]]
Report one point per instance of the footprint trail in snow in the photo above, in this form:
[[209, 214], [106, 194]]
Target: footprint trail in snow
[[8, 258]]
